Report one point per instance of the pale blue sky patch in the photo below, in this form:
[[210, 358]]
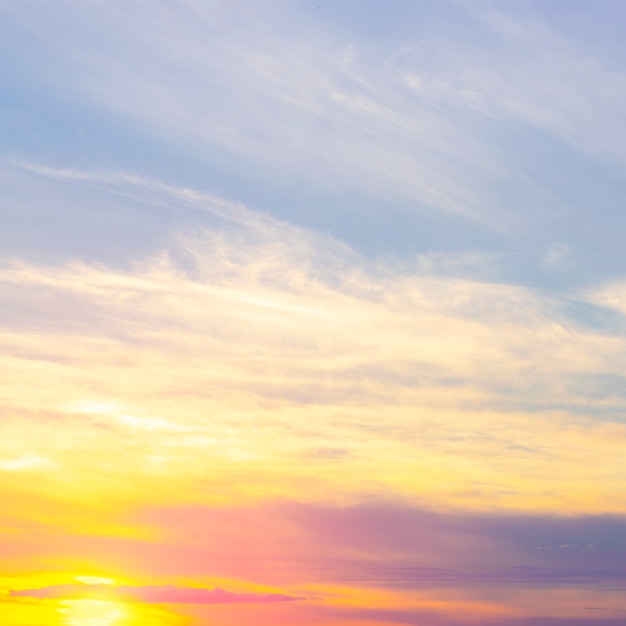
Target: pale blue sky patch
[[410, 131]]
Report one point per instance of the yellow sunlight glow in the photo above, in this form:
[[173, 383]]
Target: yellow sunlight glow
[[92, 613], [94, 580]]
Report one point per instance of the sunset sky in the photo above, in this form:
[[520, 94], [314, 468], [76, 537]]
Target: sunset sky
[[312, 313]]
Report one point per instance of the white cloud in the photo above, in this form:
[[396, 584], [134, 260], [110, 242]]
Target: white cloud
[[24, 463]]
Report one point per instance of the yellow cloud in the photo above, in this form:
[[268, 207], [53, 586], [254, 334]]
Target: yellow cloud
[[260, 361]]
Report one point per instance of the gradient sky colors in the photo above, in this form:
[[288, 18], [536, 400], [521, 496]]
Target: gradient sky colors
[[312, 313]]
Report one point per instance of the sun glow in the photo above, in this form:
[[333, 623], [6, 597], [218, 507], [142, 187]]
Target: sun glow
[[94, 580], [93, 613]]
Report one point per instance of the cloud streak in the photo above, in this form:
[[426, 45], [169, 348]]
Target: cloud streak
[[150, 594]]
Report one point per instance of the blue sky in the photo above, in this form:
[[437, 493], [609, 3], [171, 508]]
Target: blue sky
[[403, 129]]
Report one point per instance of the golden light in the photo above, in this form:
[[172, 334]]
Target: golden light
[[94, 580], [93, 613]]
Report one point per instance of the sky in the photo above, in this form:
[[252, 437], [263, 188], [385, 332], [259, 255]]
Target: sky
[[312, 313]]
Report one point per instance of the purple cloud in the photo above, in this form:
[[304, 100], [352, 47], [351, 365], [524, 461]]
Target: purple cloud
[[150, 594], [414, 576], [407, 546]]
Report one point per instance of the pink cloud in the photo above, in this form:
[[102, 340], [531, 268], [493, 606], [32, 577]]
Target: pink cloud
[[150, 594]]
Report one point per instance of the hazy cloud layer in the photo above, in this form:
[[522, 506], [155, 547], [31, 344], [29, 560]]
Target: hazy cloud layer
[[257, 326]]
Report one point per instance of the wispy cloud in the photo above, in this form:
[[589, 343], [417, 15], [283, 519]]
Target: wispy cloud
[[254, 325], [428, 123], [150, 594]]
